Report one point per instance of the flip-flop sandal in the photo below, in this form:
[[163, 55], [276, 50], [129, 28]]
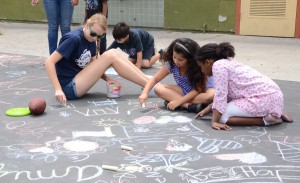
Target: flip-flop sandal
[[287, 117], [272, 120], [195, 108]]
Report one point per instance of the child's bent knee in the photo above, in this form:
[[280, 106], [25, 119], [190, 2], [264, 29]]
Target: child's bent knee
[[111, 54]]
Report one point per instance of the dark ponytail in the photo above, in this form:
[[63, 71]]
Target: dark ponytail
[[215, 52], [225, 50]]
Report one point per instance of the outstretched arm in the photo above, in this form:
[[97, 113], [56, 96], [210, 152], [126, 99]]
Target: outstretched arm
[[74, 2], [104, 7], [139, 59], [215, 121], [50, 68], [158, 76], [205, 111]]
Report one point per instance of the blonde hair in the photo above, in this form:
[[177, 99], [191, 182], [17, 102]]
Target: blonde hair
[[100, 19]]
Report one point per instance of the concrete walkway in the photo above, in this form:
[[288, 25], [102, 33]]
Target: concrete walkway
[[278, 58]]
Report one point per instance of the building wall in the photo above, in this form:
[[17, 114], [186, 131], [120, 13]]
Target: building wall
[[199, 15], [139, 13], [21, 10], [239, 14], [203, 15]]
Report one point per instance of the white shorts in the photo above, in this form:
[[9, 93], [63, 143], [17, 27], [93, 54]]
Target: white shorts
[[231, 111]]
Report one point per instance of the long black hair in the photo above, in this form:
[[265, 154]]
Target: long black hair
[[215, 52], [188, 49]]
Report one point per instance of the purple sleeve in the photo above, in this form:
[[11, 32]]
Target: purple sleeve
[[168, 66], [210, 82]]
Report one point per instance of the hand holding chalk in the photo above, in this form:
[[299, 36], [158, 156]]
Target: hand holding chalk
[[60, 97]]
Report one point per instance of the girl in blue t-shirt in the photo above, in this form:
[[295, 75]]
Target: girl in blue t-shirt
[[73, 68], [193, 91]]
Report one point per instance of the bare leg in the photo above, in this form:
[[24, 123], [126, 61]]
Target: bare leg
[[154, 58], [168, 92], [86, 78], [205, 97], [172, 92], [243, 121], [148, 63], [145, 64]]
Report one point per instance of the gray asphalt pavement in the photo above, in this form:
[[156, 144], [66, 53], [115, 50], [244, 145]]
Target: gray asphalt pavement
[[71, 144]]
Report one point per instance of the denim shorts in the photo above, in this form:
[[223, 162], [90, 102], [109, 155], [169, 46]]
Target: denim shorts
[[70, 90], [148, 52]]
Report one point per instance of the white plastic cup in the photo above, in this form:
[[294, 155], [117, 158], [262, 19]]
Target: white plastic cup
[[113, 91]]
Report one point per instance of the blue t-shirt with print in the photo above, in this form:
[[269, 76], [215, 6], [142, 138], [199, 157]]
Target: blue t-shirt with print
[[183, 81], [77, 53], [138, 40], [92, 7]]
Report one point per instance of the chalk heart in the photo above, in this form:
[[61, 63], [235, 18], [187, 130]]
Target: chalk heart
[[164, 119], [80, 146], [182, 119], [144, 120]]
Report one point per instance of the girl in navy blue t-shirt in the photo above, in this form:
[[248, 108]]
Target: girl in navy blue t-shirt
[[73, 68], [137, 43]]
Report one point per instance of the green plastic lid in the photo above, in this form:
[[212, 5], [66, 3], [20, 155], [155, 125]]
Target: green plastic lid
[[18, 112]]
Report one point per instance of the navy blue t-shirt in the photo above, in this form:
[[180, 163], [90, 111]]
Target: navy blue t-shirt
[[92, 7], [138, 41], [77, 53]]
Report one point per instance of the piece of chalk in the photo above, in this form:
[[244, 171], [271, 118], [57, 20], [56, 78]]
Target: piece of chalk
[[64, 103], [108, 167], [126, 148], [128, 113], [143, 105]]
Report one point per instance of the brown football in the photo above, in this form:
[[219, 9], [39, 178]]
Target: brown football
[[37, 106]]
